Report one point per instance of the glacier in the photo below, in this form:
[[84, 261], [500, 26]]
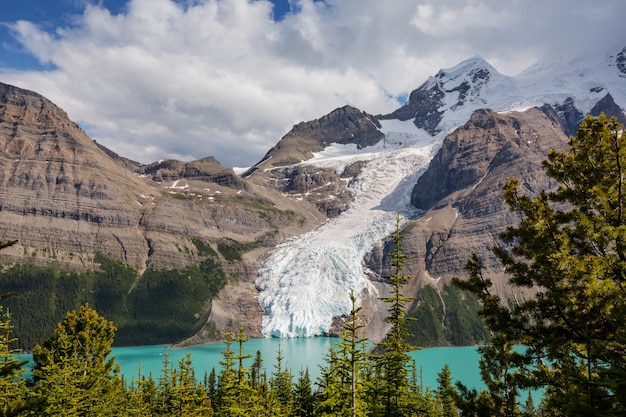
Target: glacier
[[306, 281]]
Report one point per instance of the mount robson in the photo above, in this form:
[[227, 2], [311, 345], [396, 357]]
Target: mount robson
[[180, 252]]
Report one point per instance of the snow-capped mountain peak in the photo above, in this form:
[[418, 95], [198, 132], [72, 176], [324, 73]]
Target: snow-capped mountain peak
[[474, 66], [305, 283]]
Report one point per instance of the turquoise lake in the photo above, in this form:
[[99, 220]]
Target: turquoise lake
[[299, 354]]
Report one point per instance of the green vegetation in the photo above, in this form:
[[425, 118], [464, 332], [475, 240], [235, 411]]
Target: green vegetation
[[232, 250], [571, 247], [12, 382], [164, 305], [41, 296], [73, 375], [257, 203], [204, 248], [446, 318], [394, 362], [178, 196], [266, 210]]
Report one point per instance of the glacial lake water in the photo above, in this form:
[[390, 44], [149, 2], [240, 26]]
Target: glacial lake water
[[299, 354]]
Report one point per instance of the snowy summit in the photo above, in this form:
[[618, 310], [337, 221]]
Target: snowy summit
[[305, 283]]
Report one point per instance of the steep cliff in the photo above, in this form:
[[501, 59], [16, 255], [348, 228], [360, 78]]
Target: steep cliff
[[174, 249], [69, 201]]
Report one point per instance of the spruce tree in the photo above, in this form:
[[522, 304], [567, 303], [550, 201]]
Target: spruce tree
[[255, 370], [281, 386], [343, 392], [13, 392], [500, 365], [235, 394], [225, 397], [73, 372], [446, 393], [188, 397], [571, 247], [141, 396], [395, 361], [303, 399], [211, 385], [247, 395], [356, 356]]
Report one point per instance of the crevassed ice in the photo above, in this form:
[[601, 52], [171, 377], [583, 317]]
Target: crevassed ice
[[307, 280]]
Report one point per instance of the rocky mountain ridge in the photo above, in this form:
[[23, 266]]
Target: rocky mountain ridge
[[66, 198], [441, 107]]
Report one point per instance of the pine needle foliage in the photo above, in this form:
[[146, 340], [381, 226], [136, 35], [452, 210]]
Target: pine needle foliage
[[395, 363], [571, 247]]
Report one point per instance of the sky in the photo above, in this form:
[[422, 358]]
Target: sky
[[187, 79]]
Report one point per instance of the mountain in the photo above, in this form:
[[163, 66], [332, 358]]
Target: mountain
[[74, 207], [176, 249], [455, 206]]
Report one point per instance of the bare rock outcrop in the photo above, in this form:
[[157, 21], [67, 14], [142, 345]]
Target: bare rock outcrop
[[345, 125], [461, 192], [65, 198]]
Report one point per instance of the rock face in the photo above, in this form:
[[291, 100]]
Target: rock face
[[206, 170], [620, 60], [346, 125], [608, 106], [59, 188], [427, 104], [65, 198], [326, 188], [422, 107], [461, 192]]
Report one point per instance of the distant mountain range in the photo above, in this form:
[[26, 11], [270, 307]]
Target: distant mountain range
[[278, 248]]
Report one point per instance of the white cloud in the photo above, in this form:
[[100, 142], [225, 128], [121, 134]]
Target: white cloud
[[222, 78], [443, 20]]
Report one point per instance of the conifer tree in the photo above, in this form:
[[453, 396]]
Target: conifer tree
[[499, 370], [12, 385], [13, 393], [356, 356], [141, 396], [225, 398], [373, 386], [255, 370], [188, 397], [210, 384], [165, 390], [500, 365], [281, 386], [343, 392], [331, 390], [446, 393], [247, 395], [571, 246], [235, 394], [303, 399], [73, 372], [396, 394]]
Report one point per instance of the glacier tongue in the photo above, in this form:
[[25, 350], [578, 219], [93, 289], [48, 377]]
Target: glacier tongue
[[307, 280]]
